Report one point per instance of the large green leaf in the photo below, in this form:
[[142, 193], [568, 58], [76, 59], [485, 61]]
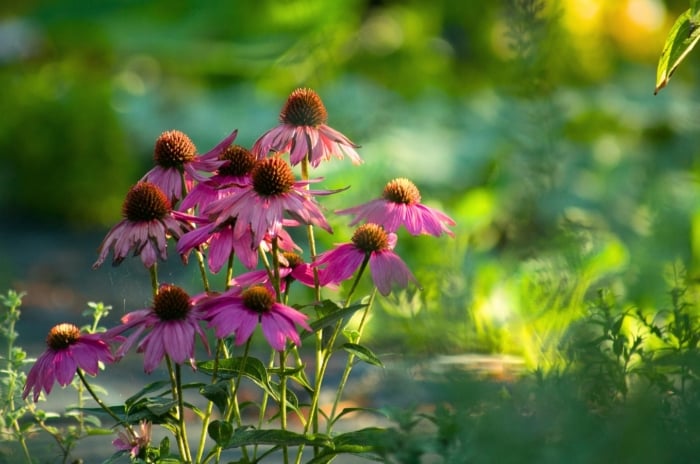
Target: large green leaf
[[250, 367], [363, 353], [243, 437], [680, 41]]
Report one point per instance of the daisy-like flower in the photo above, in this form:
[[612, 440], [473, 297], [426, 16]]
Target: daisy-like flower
[[175, 155], [68, 350], [234, 173], [371, 243], [135, 444], [303, 131], [238, 313], [221, 242], [172, 324], [148, 221], [400, 206], [262, 205]]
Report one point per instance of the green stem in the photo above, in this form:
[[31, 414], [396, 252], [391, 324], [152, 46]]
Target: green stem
[[210, 404], [350, 362], [181, 413], [176, 396], [106, 408], [325, 358], [202, 270], [283, 400], [153, 271], [263, 405]]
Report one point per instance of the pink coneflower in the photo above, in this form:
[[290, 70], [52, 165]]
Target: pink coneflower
[[400, 205], [239, 314], [175, 155], [262, 205], [370, 243], [135, 443], [172, 324], [148, 221], [303, 131], [234, 173], [68, 350]]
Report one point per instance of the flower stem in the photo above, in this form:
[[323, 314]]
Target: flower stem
[[350, 363], [202, 270], [153, 271], [283, 400], [175, 386], [181, 413], [106, 408]]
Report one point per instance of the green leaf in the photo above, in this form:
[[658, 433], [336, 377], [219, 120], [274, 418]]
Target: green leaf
[[217, 393], [369, 442], [680, 41], [220, 431], [229, 368], [332, 318], [694, 7], [363, 353], [244, 437], [151, 387]]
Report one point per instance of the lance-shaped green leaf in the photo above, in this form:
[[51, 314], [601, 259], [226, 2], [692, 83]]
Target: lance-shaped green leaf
[[680, 41], [244, 437], [250, 367], [363, 353], [694, 7]]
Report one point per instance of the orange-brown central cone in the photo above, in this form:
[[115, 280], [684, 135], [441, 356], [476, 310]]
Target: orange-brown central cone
[[171, 303], [145, 202], [370, 238], [304, 108], [173, 149], [240, 161], [62, 336], [293, 259], [272, 176], [258, 299], [401, 190]]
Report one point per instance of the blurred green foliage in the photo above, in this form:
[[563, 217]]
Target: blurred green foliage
[[532, 123]]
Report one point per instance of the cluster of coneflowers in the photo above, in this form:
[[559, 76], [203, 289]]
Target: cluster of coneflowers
[[234, 203]]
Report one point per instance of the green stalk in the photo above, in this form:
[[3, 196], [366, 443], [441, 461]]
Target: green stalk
[[283, 401], [106, 408], [174, 385], [153, 271], [202, 270], [349, 364], [326, 356]]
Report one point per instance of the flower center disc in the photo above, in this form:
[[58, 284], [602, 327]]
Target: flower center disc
[[62, 336], [239, 161], [145, 202], [173, 149], [401, 190], [258, 299], [304, 108], [370, 238], [171, 303], [272, 176]]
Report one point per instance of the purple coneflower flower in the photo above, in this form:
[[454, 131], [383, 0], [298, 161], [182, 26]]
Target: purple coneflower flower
[[68, 350], [370, 243], [400, 205], [234, 173], [172, 322], [221, 243], [262, 205], [148, 221], [303, 131], [135, 444], [175, 155], [239, 314]]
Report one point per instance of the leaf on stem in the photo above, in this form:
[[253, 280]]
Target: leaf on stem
[[363, 353], [680, 41]]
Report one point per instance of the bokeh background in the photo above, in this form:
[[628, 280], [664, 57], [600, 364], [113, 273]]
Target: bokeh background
[[533, 124]]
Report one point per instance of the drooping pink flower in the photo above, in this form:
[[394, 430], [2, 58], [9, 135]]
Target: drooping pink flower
[[135, 443], [303, 131], [68, 350], [175, 155], [370, 243], [148, 222], [238, 313], [171, 325], [263, 205], [400, 206], [292, 267], [234, 173]]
